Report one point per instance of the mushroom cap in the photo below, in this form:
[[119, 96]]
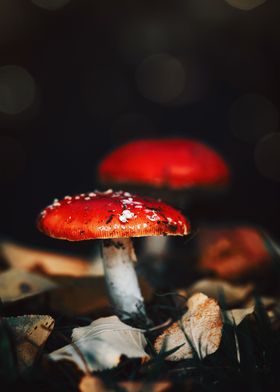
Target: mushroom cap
[[172, 163], [110, 215]]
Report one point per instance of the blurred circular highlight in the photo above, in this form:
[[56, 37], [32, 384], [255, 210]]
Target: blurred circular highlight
[[51, 5], [161, 78], [17, 89], [245, 5], [267, 156], [253, 116]]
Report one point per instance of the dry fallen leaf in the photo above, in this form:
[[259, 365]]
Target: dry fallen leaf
[[90, 383], [101, 344], [16, 284], [44, 262], [84, 295], [135, 386], [233, 252], [236, 316], [214, 288], [202, 324], [30, 333], [267, 302]]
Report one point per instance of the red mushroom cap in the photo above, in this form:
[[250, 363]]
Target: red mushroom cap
[[173, 163], [110, 215]]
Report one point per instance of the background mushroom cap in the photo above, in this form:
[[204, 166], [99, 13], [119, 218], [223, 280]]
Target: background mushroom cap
[[173, 163], [110, 215]]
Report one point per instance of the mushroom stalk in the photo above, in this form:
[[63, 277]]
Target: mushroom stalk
[[121, 279]]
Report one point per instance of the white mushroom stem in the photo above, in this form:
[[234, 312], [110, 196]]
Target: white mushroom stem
[[121, 279]]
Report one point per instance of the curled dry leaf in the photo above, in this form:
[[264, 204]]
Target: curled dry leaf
[[89, 383], [16, 284], [233, 252], [267, 302], [199, 330], [45, 262], [30, 334], [135, 386], [101, 344], [215, 288], [236, 316]]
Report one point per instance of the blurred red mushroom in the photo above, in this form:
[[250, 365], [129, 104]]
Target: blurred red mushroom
[[114, 217], [175, 163], [232, 253], [166, 168]]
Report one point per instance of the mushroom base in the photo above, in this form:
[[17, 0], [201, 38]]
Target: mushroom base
[[121, 278]]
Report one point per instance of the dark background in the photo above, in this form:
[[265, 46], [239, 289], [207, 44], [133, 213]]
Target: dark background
[[79, 80]]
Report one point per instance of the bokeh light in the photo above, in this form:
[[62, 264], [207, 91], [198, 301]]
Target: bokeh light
[[267, 156], [17, 89], [196, 83], [161, 78], [252, 116], [12, 159], [245, 5], [50, 4], [140, 39]]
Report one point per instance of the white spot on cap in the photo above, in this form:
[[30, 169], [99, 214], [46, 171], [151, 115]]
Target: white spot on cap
[[126, 214]]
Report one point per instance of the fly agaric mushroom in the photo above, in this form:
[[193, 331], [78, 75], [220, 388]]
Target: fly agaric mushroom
[[167, 168], [175, 164], [114, 217]]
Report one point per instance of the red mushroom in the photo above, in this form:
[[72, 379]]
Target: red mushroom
[[114, 217], [164, 163], [171, 167]]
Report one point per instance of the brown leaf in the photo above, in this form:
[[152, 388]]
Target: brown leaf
[[16, 284], [135, 386], [202, 324], [236, 316], [44, 262], [30, 333], [90, 383], [233, 253], [214, 288], [84, 295]]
